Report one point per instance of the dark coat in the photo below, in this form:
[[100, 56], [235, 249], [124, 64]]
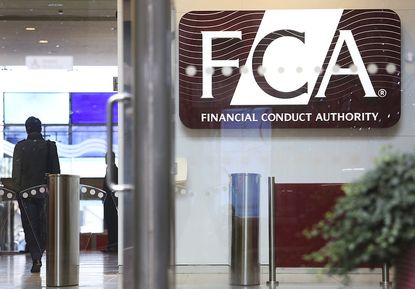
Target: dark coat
[[32, 159], [111, 212]]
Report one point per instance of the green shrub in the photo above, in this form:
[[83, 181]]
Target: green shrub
[[374, 221]]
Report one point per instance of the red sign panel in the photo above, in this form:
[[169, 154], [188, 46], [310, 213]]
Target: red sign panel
[[298, 207], [290, 69]]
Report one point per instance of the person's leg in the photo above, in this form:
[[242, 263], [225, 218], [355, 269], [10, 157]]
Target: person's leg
[[111, 217], [42, 224], [30, 218]]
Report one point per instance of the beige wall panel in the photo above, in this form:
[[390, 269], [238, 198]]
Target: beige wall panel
[[362, 4], [189, 5]]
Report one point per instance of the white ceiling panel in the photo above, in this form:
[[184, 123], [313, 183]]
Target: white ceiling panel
[[85, 30]]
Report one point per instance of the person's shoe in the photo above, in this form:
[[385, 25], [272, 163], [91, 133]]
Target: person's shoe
[[113, 249], [109, 250], [36, 266]]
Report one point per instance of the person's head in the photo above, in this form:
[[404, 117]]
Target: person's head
[[33, 124], [112, 155]]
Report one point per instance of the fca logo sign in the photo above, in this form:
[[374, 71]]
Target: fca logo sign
[[345, 38], [291, 62]]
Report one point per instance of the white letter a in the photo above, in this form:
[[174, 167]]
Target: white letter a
[[346, 36]]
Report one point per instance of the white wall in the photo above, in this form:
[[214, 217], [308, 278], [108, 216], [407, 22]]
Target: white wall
[[80, 79], [291, 155]]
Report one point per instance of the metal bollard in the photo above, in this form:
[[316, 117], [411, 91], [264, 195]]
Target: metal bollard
[[272, 282], [7, 211], [7, 243], [245, 229], [385, 284], [62, 257]]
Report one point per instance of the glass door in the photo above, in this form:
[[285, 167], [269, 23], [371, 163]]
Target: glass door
[[146, 98], [59, 63]]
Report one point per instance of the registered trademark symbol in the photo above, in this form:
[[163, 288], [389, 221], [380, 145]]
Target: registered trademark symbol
[[382, 92]]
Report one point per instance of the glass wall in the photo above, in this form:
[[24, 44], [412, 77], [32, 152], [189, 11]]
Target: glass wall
[[228, 54], [219, 134], [59, 63]]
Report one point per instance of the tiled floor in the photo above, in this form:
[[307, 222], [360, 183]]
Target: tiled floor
[[99, 270]]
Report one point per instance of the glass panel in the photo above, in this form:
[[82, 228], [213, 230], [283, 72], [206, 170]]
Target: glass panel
[[93, 138], [49, 51], [49, 107], [57, 133], [14, 133], [242, 67], [90, 108], [83, 133], [11, 231], [92, 216]]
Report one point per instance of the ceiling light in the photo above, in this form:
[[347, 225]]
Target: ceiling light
[[43, 41], [55, 5], [30, 28]]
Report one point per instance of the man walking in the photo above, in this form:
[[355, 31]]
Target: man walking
[[33, 158]]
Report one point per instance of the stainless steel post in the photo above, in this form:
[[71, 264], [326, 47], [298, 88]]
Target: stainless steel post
[[385, 284], [271, 233], [153, 143], [245, 229], [7, 205], [10, 217], [7, 223], [62, 257]]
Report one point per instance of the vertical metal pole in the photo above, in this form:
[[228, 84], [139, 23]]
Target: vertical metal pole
[[62, 255], [10, 207], [121, 141], [245, 268], [151, 58], [271, 233], [127, 146], [385, 284]]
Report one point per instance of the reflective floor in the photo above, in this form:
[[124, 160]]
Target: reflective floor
[[97, 270], [100, 270]]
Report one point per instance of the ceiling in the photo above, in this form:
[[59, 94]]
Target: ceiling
[[84, 29]]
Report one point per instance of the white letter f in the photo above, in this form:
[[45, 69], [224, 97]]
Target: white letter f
[[208, 62]]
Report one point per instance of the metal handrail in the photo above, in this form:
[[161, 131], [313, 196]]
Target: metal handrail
[[119, 97]]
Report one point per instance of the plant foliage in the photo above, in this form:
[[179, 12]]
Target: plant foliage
[[375, 220]]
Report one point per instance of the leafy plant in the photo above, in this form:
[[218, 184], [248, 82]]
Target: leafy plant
[[374, 221]]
